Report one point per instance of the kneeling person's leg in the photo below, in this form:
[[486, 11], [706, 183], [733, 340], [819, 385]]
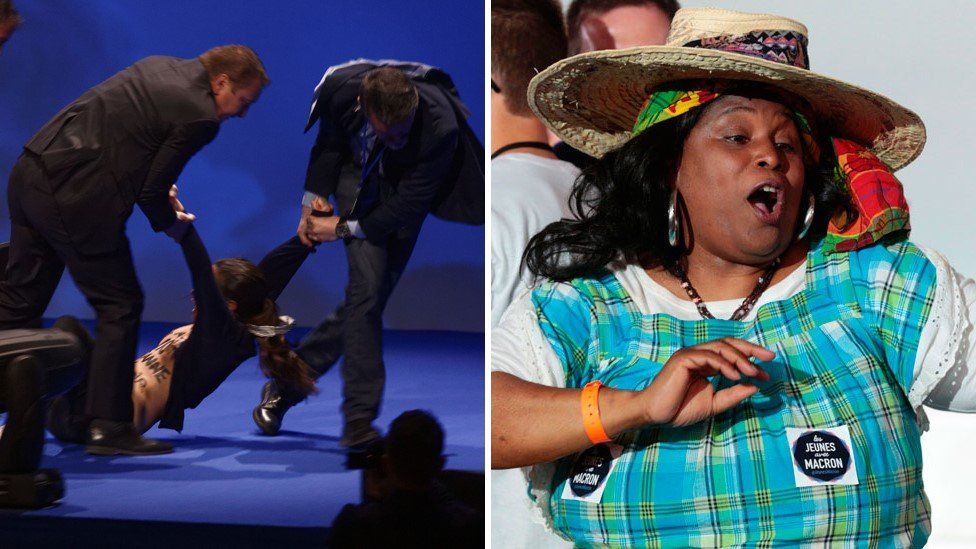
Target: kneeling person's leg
[[34, 365], [22, 387]]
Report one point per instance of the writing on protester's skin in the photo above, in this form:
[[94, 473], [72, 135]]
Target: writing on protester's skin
[[154, 360]]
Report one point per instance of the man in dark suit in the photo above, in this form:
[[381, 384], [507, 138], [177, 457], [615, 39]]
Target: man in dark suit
[[123, 143], [393, 145]]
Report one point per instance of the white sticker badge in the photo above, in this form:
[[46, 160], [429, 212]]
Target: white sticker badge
[[588, 477], [822, 456]]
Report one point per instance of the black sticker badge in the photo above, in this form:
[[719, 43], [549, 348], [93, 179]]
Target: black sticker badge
[[822, 456], [590, 471]]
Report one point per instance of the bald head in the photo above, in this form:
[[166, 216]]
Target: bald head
[[618, 24]]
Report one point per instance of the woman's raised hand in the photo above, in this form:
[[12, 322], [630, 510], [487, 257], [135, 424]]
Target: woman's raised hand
[[174, 202], [682, 394]]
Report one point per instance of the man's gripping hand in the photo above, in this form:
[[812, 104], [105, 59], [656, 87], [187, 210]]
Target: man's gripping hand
[[319, 208]]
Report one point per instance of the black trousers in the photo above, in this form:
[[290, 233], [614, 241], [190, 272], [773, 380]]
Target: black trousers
[[40, 249], [355, 329]]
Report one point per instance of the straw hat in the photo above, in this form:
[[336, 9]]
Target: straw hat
[[592, 100]]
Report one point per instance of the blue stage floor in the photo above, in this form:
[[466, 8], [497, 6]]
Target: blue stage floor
[[224, 473]]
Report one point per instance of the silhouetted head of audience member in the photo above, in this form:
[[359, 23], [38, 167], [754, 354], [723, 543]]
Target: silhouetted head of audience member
[[526, 37], [405, 503], [9, 21], [618, 24], [414, 450]]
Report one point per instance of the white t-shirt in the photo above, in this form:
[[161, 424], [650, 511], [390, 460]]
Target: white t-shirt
[[942, 377], [528, 192]]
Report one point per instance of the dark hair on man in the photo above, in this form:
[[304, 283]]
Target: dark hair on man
[[389, 94], [414, 446], [239, 63], [526, 37], [8, 14], [579, 10], [620, 203]]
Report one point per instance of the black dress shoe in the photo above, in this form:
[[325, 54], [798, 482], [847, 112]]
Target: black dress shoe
[[65, 427], [357, 434], [110, 438], [274, 403]]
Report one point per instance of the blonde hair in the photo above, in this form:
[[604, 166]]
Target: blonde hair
[[238, 62]]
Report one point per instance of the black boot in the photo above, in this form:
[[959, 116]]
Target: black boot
[[22, 438], [274, 403], [110, 438], [358, 433], [65, 426]]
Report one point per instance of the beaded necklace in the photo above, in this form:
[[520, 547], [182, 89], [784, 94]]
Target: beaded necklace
[[743, 309]]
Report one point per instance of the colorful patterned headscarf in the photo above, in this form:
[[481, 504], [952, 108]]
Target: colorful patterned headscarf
[[875, 193]]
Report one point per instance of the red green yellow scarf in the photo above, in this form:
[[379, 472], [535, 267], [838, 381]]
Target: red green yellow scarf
[[875, 192]]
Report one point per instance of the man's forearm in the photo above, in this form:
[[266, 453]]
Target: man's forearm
[[166, 167], [158, 211], [312, 201]]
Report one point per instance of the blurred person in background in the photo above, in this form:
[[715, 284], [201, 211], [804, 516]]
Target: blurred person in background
[[9, 21], [613, 25], [530, 188], [409, 507]]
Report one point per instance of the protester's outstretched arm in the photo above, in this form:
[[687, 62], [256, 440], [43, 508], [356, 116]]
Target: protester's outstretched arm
[[280, 264], [206, 295]]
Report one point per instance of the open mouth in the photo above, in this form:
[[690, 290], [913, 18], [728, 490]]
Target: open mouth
[[767, 201]]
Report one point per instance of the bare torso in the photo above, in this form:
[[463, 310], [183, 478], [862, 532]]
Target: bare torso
[[153, 374]]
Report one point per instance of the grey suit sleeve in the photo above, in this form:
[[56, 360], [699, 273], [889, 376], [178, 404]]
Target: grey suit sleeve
[[182, 143], [415, 193]]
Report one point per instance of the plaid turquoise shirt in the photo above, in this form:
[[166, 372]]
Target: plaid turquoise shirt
[[845, 350]]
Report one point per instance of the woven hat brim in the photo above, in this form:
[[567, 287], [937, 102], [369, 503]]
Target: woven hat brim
[[592, 100]]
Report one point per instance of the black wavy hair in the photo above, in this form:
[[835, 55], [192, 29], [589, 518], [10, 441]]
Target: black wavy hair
[[620, 203]]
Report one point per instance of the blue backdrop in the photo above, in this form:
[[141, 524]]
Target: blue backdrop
[[245, 187]]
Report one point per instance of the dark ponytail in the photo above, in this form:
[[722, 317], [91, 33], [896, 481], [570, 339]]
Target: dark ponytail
[[276, 358], [243, 282]]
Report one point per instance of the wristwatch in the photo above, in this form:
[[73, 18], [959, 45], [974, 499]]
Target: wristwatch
[[342, 229]]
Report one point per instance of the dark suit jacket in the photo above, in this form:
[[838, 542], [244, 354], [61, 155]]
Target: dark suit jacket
[[440, 169], [125, 142]]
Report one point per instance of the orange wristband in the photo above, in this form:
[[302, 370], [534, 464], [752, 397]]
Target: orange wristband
[[591, 413]]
